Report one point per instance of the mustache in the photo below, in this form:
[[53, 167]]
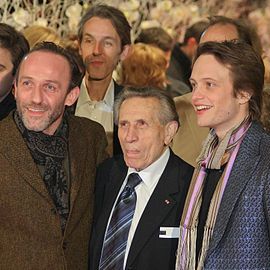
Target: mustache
[[91, 58], [35, 106]]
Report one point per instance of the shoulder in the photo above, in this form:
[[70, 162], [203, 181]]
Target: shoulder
[[110, 163], [7, 125], [179, 163], [84, 124]]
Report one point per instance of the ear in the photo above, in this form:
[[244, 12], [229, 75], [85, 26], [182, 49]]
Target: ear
[[243, 97], [170, 130], [125, 52], [192, 42], [72, 96], [15, 89]]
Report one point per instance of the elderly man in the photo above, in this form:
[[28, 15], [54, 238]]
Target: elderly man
[[140, 195], [225, 222], [46, 173]]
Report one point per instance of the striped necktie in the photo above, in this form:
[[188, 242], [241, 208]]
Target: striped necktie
[[114, 246]]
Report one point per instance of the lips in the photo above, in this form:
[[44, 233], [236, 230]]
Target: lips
[[200, 108]]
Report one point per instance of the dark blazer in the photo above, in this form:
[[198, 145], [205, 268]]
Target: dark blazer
[[180, 65], [117, 150], [241, 237], [30, 234], [7, 105], [164, 209]]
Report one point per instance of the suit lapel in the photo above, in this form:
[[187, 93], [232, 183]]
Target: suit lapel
[[77, 156], [20, 158], [162, 201], [245, 163], [116, 177]]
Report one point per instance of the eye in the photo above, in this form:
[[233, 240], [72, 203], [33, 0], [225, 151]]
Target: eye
[[141, 123], [210, 84], [88, 40], [49, 87], [108, 43], [27, 83], [123, 124]]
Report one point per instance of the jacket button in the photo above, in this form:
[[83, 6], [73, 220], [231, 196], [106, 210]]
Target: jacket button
[[64, 245]]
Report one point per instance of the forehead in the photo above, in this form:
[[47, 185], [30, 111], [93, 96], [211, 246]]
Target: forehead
[[97, 26], [45, 63], [139, 108], [220, 32], [207, 66]]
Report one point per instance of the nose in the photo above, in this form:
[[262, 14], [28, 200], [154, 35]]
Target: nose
[[37, 95], [97, 48], [131, 134], [197, 94]]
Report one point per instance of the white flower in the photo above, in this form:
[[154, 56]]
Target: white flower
[[21, 18], [129, 6], [132, 16], [41, 22], [74, 10], [165, 5], [73, 13], [149, 24]]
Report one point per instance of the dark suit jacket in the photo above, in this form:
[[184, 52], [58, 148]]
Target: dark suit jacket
[[117, 150], [147, 251], [30, 232], [7, 105], [180, 65], [241, 237]]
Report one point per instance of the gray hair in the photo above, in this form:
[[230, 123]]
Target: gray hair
[[167, 112]]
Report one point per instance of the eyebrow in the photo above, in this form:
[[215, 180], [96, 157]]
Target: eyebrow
[[105, 37], [47, 81]]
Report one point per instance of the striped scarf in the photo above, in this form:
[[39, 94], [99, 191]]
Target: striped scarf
[[213, 156]]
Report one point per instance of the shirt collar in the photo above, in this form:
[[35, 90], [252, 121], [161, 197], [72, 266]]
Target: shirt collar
[[85, 98], [152, 173]]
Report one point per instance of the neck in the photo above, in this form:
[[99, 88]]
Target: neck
[[222, 133], [97, 89]]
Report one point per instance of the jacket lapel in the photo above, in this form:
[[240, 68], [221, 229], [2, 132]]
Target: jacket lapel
[[245, 163], [116, 177], [20, 158], [162, 201], [77, 160]]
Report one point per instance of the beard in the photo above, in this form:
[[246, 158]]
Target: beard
[[42, 122]]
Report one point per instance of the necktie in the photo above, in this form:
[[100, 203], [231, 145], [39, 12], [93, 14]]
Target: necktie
[[114, 246]]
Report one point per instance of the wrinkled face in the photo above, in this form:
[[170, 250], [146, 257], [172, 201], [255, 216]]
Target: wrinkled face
[[220, 33], [213, 98], [142, 137], [100, 48], [6, 77], [41, 91]]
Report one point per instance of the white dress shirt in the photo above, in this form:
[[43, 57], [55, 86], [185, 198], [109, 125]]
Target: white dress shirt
[[99, 111]]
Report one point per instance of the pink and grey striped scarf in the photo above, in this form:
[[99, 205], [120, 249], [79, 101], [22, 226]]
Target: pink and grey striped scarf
[[215, 153]]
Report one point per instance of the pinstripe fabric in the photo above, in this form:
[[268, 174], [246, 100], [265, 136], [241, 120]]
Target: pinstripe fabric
[[114, 246]]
